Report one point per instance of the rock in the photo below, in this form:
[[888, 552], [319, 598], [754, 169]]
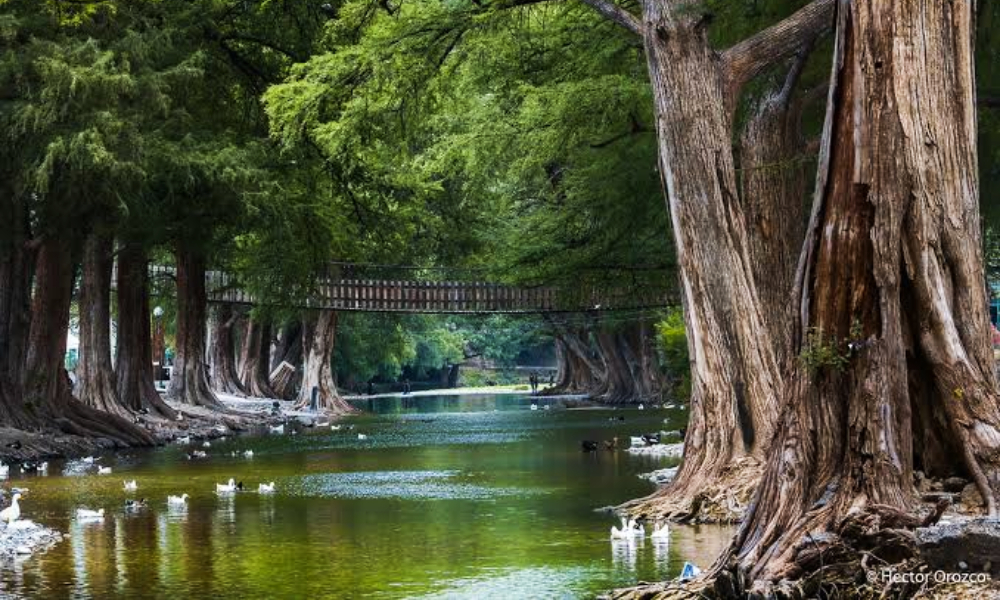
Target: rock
[[660, 476], [954, 484], [970, 498], [958, 546]]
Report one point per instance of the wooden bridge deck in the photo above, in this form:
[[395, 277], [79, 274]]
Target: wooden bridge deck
[[441, 297]]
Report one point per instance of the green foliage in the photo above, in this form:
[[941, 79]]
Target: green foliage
[[672, 337], [822, 351]]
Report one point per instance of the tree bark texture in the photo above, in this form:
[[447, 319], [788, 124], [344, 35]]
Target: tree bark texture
[[735, 378], [95, 377], [224, 378], [773, 196], [134, 359], [286, 375], [47, 392], [255, 354], [319, 337], [189, 379], [892, 275], [15, 310]]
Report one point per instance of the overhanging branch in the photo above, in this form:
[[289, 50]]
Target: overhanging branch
[[749, 58], [616, 14]]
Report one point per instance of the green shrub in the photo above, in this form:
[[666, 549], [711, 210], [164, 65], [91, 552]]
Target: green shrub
[[672, 340]]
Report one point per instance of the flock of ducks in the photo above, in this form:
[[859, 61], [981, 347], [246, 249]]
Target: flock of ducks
[[12, 513], [632, 529]]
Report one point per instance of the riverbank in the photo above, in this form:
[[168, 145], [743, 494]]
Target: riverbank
[[19, 447]]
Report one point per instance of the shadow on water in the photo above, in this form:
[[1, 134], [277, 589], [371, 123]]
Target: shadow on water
[[448, 497]]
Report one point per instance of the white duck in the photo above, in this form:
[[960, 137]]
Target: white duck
[[177, 500], [266, 488], [334, 427], [12, 512], [88, 460], [131, 486], [641, 407], [86, 513], [278, 429], [637, 440], [248, 454], [183, 440], [226, 488], [4, 470], [104, 470], [534, 406], [362, 436], [206, 445], [630, 529], [43, 467], [661, 531]]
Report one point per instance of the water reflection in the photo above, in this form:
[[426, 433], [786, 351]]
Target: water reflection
[[661, 555], [624, 553], [470, 503]]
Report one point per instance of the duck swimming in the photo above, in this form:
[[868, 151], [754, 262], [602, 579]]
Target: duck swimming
[[177, 500], [86, 513], [131, 486], [661, 531], [266, 488], [226, 488], [630, 529]]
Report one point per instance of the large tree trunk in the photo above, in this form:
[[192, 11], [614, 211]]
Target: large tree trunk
[[289, 345], [15, 307], [134, 359], [47, 392], [224, 378], [735, 377], [286, 372], [892, 277], [563, 374], [618, 385], [654, 382], [189, 379], [255, 354], [95, 379], [319, 336]]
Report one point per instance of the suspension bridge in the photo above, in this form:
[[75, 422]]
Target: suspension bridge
[[395, 289]]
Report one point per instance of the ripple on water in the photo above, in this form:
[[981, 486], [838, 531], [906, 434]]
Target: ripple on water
[[536, 582], [404, 485]]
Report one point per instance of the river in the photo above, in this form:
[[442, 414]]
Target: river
[[448, 497]]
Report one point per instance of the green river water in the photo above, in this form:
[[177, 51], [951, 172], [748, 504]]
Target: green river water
[[449, 497]]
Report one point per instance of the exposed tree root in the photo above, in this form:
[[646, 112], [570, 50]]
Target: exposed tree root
[[853, 561], [723, 499]]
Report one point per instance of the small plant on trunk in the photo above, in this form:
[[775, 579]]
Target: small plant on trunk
[[823, 352]]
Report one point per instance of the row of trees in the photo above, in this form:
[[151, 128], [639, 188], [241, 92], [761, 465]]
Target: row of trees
[[134, 131]]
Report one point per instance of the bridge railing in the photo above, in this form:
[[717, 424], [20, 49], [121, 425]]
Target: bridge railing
[[335, 292]]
